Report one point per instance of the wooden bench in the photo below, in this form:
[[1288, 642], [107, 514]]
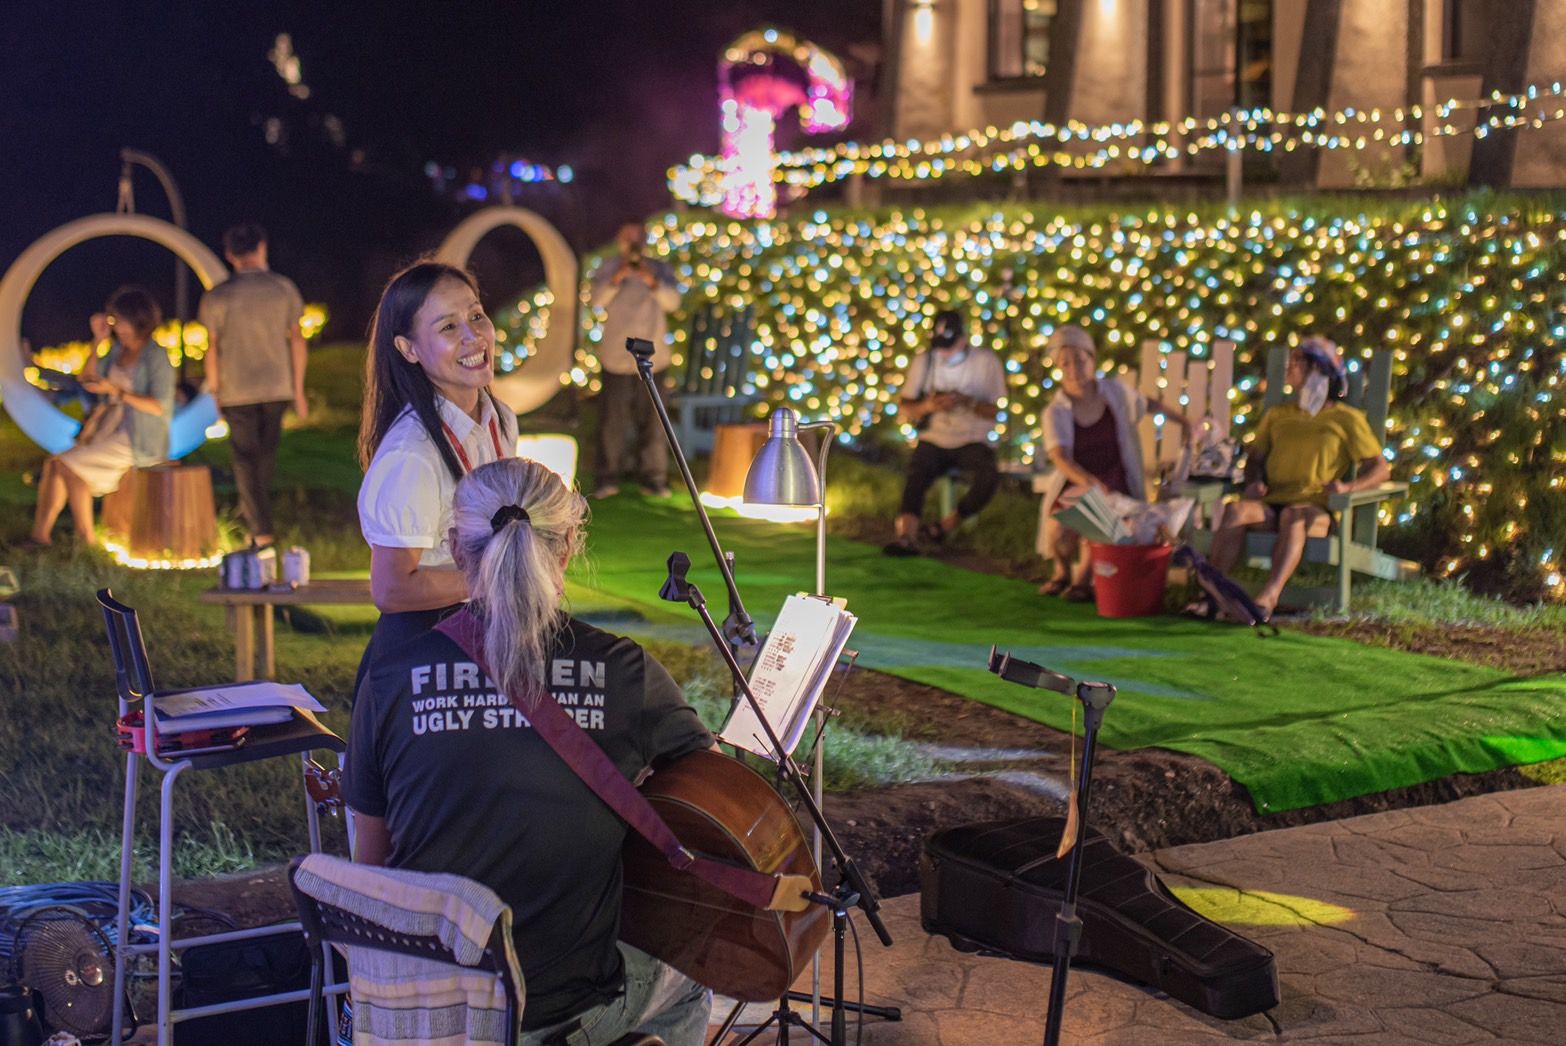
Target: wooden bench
[[250, 616], [712, 389]]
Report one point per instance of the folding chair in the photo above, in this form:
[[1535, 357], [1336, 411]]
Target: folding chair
[[439, 918], [299, 735]]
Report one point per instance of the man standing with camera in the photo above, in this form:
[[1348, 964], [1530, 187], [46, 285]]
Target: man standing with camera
[[951, 395], [636, 293]]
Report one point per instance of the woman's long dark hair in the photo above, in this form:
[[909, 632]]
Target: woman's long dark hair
[[391, 383]]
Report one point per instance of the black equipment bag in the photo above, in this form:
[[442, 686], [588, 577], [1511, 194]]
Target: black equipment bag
[[996, 887], [230, 970]]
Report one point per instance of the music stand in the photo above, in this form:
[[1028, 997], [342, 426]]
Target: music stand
[[1095, 698], [851, 889]]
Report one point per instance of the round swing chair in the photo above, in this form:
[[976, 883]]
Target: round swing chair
[[161, 517]]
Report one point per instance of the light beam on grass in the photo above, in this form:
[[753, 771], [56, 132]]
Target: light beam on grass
[[768, 513], [125, 558]]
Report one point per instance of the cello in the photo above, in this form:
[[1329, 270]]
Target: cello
[[723, 809]]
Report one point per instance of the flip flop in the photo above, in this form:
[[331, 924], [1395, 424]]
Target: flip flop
[[900, 549], [1054, 586], [1204, 609]]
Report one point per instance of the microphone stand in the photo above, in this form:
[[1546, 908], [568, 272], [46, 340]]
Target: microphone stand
[[739, 631], [852, 889], [1095, 698]]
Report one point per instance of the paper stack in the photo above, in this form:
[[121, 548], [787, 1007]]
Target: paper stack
[[241, 704], [1115, 519], [790, 673], [1097, 517]]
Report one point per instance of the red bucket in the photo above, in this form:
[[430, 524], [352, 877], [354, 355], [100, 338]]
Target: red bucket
[[1129, 580]]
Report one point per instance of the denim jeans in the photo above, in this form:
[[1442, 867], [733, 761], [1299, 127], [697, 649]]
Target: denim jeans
[[658, 1000]]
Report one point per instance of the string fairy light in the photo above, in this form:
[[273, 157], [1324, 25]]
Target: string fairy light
[[1078, 146], [1469, 294]]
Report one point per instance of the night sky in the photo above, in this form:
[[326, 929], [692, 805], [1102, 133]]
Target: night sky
[[618, 89]]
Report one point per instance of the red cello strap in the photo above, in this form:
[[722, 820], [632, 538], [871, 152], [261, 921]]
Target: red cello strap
[[582, 754]]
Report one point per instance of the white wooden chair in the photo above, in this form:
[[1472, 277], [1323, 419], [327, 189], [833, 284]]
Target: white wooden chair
[[1351, 547], [1200, 387]]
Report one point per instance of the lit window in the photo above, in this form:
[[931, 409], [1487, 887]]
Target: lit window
[[1019, 37]]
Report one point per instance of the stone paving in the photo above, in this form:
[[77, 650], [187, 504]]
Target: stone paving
[[1437, 925]]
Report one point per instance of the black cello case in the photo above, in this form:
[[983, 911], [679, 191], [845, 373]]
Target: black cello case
[[996, 887]]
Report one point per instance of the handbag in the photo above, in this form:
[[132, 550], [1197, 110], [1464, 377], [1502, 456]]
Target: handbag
[[1217, 459]]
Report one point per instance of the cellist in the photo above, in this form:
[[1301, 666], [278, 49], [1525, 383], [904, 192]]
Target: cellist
[[444, 775]]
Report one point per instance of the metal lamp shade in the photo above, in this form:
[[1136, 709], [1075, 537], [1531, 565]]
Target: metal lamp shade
[[782, 473]]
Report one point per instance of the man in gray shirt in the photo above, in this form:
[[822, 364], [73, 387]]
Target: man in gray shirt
[[255, 366], [636, 294]]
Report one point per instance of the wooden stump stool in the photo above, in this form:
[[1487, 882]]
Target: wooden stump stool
[[164, 513], [734, 447]]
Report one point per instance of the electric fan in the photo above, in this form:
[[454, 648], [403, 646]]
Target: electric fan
[[64, 956]]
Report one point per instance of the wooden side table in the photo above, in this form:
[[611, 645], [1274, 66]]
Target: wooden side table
[[250, 616]]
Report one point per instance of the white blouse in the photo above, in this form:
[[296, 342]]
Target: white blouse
[[405, 499]]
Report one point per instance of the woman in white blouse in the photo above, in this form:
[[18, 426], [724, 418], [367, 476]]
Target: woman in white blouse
[[428, 420]]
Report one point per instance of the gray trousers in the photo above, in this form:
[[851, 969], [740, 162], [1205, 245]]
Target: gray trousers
[[626, 419]]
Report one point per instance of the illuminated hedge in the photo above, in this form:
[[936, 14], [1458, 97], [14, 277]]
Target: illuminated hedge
[[1470, 292]]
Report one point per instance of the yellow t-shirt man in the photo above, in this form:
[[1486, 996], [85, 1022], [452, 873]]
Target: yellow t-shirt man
[[1305, 453]]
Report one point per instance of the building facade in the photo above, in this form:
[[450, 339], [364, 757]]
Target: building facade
[[959, 65]]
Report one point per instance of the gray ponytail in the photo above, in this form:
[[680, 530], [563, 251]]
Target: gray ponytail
[[516, 571]]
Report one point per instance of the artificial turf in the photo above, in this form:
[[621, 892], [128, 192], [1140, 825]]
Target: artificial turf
[[1299, 720]]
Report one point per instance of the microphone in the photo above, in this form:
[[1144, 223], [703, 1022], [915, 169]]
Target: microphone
[[1016, 670], [676, 589], [641, 348]]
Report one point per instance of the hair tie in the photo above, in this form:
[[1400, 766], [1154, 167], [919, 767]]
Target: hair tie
[[508, 514]]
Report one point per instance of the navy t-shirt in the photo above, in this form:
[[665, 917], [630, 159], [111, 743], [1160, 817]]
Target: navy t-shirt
[[467, 787]]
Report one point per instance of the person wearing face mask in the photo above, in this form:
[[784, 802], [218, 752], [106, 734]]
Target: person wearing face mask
[[1299, 455], [428, 420], [952, 395], [1090, 437]]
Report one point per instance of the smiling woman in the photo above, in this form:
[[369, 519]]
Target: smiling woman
[[428, 420]]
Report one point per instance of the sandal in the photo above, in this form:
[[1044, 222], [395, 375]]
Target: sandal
[[1054, 586], [1079, 594], [900, 549], [29, 545], [1204, 609], [933, 533]]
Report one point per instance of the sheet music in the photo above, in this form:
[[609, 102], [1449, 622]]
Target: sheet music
[[791, 673], [240, 704]]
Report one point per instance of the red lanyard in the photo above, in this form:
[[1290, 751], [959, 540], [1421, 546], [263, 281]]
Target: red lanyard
[[456, 444]]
